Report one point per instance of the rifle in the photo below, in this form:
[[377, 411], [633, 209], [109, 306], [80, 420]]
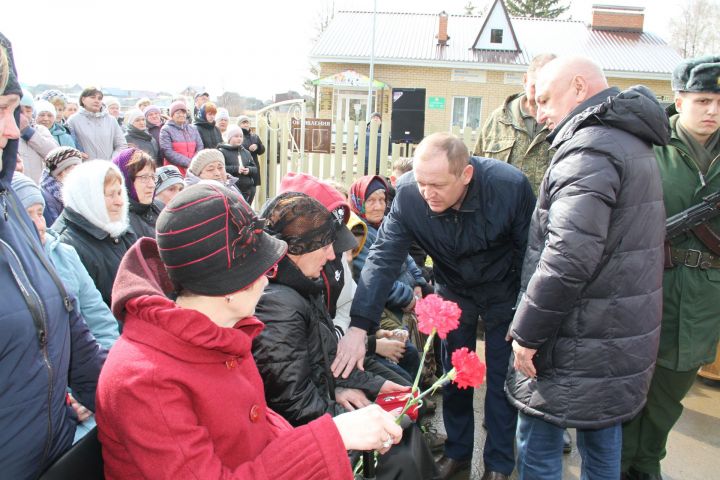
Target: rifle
[[693, 217]]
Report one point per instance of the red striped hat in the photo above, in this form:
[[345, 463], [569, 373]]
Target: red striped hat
[[212, 243]]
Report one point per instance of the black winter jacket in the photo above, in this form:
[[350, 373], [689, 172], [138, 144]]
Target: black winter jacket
[[99, 252], [209, 133], [143, 218], [233, 155], [36, 423], [144, 141], [252, 139], [477, 250], [295, 350], [592, 277]]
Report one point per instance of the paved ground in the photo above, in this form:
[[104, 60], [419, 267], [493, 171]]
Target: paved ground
[[693, 447]]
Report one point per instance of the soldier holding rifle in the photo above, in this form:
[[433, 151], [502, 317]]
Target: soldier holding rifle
[[690, 170]]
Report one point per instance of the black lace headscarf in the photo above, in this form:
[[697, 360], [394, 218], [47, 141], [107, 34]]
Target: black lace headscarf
[[303, 222]]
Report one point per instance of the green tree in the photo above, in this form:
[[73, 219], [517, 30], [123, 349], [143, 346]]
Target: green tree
[[536, 8]]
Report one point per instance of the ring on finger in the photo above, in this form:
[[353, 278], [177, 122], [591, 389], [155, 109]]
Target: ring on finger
[[387, 442]]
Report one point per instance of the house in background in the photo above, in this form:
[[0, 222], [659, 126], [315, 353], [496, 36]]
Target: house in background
[[469, 64]]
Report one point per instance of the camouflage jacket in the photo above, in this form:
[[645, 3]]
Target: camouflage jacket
[[506, 138]]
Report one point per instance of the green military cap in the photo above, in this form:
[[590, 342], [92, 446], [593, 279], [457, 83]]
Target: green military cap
[[701, 74]]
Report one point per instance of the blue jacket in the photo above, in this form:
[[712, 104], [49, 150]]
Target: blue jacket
[[401, 292], [477, 251], [36, 424], [62, 135], [78, 283]]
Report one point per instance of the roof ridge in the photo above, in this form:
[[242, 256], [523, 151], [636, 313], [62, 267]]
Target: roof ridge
[[410, 13]]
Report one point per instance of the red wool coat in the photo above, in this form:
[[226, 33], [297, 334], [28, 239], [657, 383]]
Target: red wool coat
[[180, 397]]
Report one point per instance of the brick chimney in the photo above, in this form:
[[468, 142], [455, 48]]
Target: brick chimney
[[442, 36], [617, 18]]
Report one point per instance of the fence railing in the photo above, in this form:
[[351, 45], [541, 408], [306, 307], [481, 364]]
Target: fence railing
[[354, 147]]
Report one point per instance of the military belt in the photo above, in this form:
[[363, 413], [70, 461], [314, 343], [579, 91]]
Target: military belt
[[692, 258]]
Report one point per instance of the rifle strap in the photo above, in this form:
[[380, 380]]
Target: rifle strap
[[708, 237]]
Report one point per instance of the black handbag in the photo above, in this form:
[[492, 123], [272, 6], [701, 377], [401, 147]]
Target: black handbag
[[83, 460]]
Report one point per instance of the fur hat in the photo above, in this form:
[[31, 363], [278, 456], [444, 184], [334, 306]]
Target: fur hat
[[701, 74]]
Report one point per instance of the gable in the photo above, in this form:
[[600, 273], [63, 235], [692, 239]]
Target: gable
[[497, 31]]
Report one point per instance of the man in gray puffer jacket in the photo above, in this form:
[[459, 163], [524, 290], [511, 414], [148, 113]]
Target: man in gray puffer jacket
[[586, 330]]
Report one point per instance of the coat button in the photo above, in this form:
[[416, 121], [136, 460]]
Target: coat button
[[254, 413]]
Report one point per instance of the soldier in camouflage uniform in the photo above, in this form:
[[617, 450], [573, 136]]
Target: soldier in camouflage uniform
[[690, 170], [512, 135]]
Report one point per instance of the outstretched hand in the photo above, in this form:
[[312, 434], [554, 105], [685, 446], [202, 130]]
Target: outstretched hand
[[350, 352]]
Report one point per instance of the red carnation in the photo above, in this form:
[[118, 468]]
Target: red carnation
[[469, 370], [435, 313]]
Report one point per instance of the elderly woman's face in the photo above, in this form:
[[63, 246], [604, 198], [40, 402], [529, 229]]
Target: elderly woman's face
[[214, 171], [375, 207], [46, 119], [222, 124], [139, 123], [144, 183], [179, 116], [154, 118], [114, 201]]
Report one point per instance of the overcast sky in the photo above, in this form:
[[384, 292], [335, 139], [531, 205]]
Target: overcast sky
[[253, 47]]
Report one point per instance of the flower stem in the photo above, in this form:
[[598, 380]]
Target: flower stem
[[428, 343]]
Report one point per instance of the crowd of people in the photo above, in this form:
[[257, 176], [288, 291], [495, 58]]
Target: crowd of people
[[148, 302]]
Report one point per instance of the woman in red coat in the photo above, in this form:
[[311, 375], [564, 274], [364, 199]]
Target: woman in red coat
[[180, 395]]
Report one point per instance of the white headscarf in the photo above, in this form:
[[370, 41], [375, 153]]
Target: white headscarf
[[84, 192]]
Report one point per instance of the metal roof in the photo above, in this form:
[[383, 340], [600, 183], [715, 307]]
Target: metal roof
[[409, 39]]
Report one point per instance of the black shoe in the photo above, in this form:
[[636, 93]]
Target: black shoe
[[449, 467], [567, 442], [633, 474], [494, 476]]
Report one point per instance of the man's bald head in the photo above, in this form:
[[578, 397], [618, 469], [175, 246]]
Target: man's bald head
[[565, 83]]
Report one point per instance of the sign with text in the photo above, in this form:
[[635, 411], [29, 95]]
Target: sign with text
[[436, 103], [317, 134]]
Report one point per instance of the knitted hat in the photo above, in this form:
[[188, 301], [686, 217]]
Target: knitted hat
[[203, 158], [301, 221], [175, 106], [133, 115], [212, 243], [50, 95], [700, 74], [44, 106], [61, 158], [201, 94], [222, 113], [242, 118], [111, 101], [27, 191], [27, 99], [121, 161], [231, 131], [330, 198], [168, 176], [151, 109]]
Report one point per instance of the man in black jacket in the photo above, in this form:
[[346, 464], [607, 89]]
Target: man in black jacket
[[586, 329], [471, 215]]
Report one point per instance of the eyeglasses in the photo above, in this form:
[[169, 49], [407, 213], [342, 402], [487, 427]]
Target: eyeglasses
[[271, 273], [147, 178]]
